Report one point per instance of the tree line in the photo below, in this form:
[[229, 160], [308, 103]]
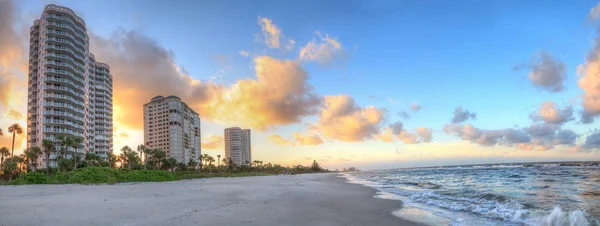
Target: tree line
[[68, 156]]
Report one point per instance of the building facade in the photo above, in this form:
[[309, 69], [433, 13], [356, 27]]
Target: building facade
[[69, 92], [238, 145], [173, 127]]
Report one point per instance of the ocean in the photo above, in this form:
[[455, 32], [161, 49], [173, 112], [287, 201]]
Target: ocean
[[499, 194]]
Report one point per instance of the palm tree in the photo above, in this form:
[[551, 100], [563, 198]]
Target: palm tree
[[64, 142], [147, 151], [158, 157], [210, 160], [4, 152], [140, 149], [32, 155], [92, 159], [169, 163], [112, 160], [218, 160], [75, 142], [48, 146], [14, 129]]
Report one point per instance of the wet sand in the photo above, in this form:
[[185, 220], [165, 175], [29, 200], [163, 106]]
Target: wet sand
[[308, 199]]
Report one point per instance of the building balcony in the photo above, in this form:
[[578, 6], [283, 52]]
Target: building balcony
[[63, 97], [65, 81], [64, 18], [62, 113], [77, 34]]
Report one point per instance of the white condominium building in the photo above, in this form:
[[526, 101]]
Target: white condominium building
[[173, 127], [69, 92], [238, 145]]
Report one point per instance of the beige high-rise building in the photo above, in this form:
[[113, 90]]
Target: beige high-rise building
[[238, 145], [173, 127], [69, 92]]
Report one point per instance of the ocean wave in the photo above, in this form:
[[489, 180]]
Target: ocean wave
[[423, 185], [556, 217], [502, 208], [516, 176]]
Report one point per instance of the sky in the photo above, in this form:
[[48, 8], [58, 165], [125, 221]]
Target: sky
[[383, 84]]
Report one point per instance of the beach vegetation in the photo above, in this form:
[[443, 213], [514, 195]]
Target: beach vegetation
[[141, 165]]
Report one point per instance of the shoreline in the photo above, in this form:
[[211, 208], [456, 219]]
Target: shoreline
[[305, 199]]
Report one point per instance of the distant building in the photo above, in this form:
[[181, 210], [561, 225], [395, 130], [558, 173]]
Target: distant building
[[69, 92], [238, 145], [173, 127]]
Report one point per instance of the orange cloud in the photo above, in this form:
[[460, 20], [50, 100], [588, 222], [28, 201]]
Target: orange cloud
[[13, 76], [310, 140], [325, 50], [280, 94], [299, 139], [342, 119], [276, 139], [589, 80], [272, 34], [213, 142], [551, 113], [15, 114]]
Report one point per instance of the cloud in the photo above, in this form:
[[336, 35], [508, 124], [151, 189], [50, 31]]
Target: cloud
[[424, 134], [243, 53], [551, 113], [123, 135], [516, 136], [408, 137], [386, 135], [299, 139], [272, 34], [276, 139], [145, 70], [17, 115], [396, 131], [594, 13], [280, 96], [461, 115], [589, 77], [415, 106], [544, 136], [592, 143], [396, 127], [341, 119], [13, 74], [212, 142], [470, 133], [543, 129], [547, 72], [403, 114], [310, 139], [392, 100], [324, 50]]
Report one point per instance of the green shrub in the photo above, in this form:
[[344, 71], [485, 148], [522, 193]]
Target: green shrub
[[145, 175], [35, 178]]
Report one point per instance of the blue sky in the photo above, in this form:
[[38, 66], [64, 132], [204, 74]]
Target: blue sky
[[438, 54]]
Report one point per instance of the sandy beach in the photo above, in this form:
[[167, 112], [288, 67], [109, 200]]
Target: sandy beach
[[308, 199]]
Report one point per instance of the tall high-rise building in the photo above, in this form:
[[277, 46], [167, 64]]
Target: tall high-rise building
[[69, 92], [173, 127], [238, 145]]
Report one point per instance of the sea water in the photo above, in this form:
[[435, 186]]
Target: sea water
[[515, 194]]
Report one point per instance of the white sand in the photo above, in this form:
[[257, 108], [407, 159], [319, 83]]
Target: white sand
[[308, 199]]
